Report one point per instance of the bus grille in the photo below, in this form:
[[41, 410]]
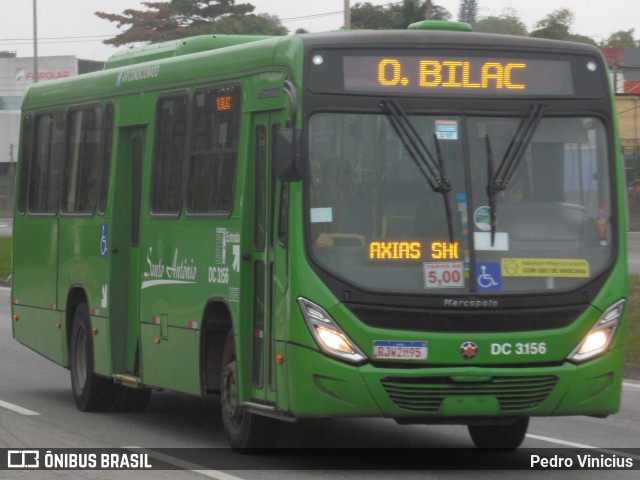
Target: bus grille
[[427, 394]]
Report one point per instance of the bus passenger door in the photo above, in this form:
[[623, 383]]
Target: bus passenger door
[[269, 278], [124, 285]]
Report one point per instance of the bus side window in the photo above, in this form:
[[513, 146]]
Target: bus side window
[[214, 147], [46, 164], [82, 162], [169, 156]]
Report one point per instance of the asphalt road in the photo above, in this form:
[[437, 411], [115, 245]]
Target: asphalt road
[[633, 251], [37, 411], [6, 227]]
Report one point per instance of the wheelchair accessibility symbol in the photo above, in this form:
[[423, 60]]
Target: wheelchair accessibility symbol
[[104, 240], [488, 276]]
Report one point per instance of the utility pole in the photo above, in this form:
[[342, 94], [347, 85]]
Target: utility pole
[[35, 42], [11, 160], [347, 15]]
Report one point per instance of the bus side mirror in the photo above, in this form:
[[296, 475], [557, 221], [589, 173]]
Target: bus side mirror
[[287, 155]]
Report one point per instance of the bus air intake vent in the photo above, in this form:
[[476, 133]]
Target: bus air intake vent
[[474, 321], [514, 394]]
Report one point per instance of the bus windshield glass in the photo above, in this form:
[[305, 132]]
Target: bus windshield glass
[[527, 206]]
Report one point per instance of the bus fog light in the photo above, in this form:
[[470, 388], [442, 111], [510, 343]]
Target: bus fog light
[[598, 340], [328, 335]]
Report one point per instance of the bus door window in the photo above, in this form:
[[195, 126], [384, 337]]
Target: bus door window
[[25, 162], [260, 300], [267, 256], [82, 162]]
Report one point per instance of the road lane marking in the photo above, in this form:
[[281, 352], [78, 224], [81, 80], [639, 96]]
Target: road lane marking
[[192, 467], [632, 385], [17, 408], [559, 442]]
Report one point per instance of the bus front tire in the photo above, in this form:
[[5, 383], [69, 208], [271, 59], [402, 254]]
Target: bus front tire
[[499, 436], [244, 431], [91, 392]]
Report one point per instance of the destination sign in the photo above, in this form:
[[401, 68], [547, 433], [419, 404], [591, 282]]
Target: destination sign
[[457, 75], [411, 250]]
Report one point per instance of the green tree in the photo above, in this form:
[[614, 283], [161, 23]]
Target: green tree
[[183, 18], [395, 16], [368, 16], [621, 39], [582, 39], [468, 11], [557, 26], [263, 24], [507, 24]]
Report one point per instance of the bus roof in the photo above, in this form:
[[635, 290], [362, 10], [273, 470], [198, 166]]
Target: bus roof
[[181, 62], [176, 48], [425, 38], [124, 75]]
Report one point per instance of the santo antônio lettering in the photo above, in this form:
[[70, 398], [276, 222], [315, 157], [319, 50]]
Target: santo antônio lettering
[[452, 73]]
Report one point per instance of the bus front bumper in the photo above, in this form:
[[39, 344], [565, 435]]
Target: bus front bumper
[[323, 387]]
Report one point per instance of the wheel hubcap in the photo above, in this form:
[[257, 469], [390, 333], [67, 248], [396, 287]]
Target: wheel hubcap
[[229, 392], [80, 364]]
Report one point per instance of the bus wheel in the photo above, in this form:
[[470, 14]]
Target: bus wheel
[[91, 392], [127, 399], [499, 436], [244, 431]]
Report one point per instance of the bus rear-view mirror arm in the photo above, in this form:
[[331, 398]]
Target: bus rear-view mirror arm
[[287, 155], [287, 152]]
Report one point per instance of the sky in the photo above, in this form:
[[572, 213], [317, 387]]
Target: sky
[[70, 27]]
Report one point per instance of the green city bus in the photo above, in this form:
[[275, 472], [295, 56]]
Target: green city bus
[[424, 225]]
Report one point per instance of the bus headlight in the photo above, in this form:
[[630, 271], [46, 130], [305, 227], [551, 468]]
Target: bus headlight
[[599, 338], [327, 334]]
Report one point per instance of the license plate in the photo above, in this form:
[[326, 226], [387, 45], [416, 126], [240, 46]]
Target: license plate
[[400, 350]]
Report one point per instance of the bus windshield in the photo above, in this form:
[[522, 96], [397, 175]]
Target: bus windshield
[[535, 221]]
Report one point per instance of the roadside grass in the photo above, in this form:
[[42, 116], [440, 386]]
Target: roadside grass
[[632, 354], [5, 258]]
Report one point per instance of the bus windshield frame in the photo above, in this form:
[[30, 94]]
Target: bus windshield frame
[[375, 223]]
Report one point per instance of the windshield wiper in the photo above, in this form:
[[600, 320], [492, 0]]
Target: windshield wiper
[[491, 190], [433, 169], [499, 180]]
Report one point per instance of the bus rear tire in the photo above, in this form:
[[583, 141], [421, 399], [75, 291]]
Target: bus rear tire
[[245, 432], [91, 392], [508, 436]]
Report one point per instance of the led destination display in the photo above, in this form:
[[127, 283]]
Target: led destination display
[[411, 250], [457, 75]]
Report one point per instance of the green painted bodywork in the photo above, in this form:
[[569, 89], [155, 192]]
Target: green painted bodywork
[[152, 327]]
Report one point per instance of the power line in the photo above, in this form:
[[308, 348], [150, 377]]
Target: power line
[[51, 38], [316, 15], [75, 39], [25, 42]]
